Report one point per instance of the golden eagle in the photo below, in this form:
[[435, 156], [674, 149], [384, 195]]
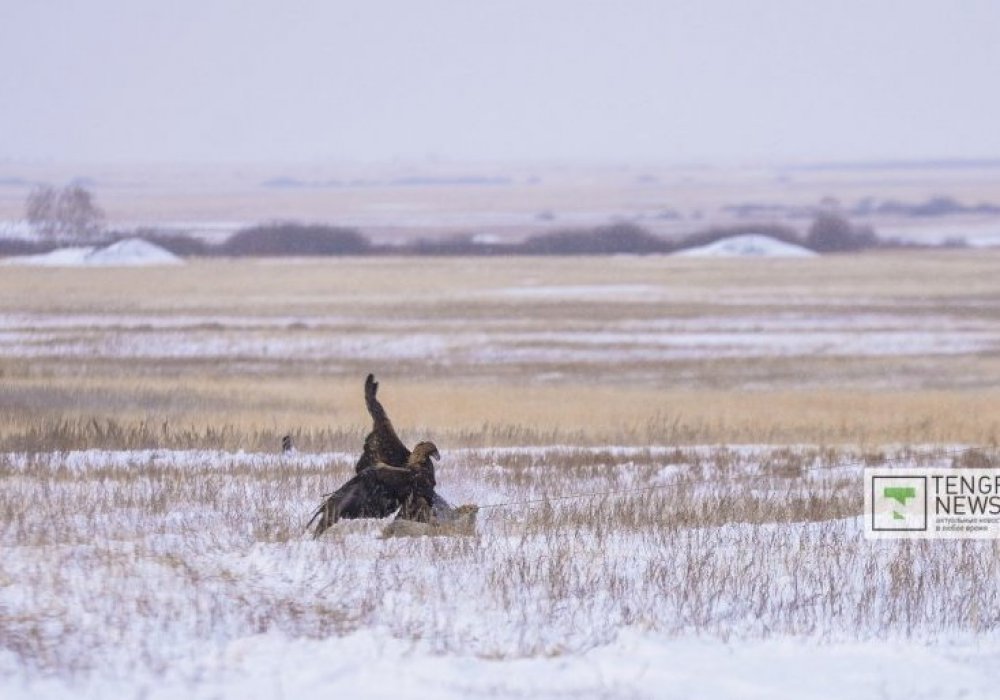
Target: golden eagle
[[388, 477]]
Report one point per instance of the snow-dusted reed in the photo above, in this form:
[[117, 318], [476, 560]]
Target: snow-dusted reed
[[594, 571]]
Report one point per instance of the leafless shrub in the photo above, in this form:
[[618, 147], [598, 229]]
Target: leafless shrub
[[602, 240], [832, 233]]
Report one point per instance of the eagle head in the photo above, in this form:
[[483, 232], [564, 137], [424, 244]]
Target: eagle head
[[423, 450]]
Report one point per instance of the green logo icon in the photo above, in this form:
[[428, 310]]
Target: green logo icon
[[896, 501], [900, 494]]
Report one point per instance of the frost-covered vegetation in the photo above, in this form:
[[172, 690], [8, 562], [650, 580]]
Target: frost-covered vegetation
[[125, 571]]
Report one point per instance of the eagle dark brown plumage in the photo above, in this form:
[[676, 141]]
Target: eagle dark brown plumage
[[382, 445], [388, 477]]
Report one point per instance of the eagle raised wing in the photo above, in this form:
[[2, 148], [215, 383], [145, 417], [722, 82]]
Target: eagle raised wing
[[382, 445]]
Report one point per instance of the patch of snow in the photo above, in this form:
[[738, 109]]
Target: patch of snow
[[584, 291], [62, 257], [495, 341], [488, 239], [132, 251], [748, 246], [18, 229], [124, 253], [987, 241], [368, 665]]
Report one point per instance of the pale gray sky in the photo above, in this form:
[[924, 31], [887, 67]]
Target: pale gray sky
[[678, 81]]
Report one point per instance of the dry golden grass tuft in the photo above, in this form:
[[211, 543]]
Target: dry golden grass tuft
[[329, 415]]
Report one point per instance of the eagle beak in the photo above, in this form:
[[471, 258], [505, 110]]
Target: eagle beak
[[436, 455]]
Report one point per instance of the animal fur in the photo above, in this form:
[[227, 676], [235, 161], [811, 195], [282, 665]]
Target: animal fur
[[461, 523]]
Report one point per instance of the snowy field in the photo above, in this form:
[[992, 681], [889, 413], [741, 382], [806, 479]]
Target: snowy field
[[499, 341], [667, 453], [606, 572]]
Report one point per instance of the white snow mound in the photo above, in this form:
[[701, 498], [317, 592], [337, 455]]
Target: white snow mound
[[125, 253], [752, 245], [132, 251]]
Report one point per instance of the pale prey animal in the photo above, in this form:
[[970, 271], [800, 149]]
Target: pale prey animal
[[460, 521], [388, 477]]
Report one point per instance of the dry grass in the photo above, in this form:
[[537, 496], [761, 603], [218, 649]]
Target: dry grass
[[506, 351], [913, 281], [330, 416]]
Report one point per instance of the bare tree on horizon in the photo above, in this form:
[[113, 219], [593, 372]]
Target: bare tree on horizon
[[60, 212]]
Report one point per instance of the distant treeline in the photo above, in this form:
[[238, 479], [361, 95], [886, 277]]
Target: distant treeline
[[828, 233], [934, 206], [866, 207]]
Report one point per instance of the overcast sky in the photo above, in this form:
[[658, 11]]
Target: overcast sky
[[656, 80]]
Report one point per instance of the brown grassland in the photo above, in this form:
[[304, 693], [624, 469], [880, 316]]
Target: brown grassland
[[235, 353]]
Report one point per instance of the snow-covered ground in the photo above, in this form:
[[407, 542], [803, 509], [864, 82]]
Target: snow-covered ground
[[500, 341], [636, 664], [607, 572], [17, 229]]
